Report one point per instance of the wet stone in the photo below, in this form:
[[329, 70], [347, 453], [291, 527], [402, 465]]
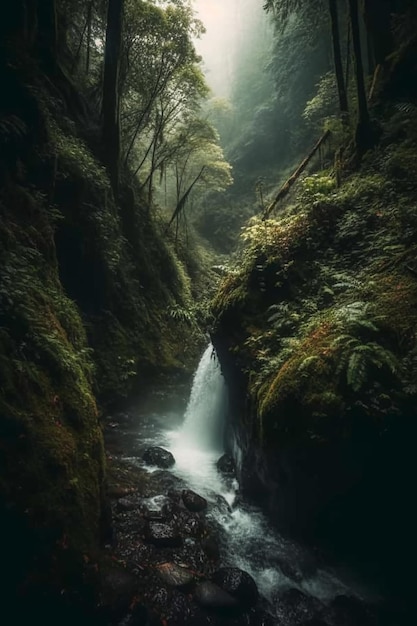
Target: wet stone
[[226, 465], [211, 548], [238, 584], [159, 457], [294, 608], [193, 501], [193, 526], [158, 508], [211, 596], [222, 505], [173, 575], [163, 535], [125, 504]]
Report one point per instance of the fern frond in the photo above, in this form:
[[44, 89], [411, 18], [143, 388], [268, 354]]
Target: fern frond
[[363, 323], [305, 364], [356, 371], [382, 357], [347, 340]]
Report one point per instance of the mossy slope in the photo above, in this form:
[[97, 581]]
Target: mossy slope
[[89, 299], [316, 334]]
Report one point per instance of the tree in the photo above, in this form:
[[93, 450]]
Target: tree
[[337, 55], [378, 26], [47, 33], [110, 109], [197, 161], [364, 134], [159, 62]]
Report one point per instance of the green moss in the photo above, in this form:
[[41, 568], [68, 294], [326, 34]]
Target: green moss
[[52, 461], [338, 269]]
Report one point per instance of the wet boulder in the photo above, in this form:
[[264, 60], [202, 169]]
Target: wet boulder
[[211, 548], [226, 465], [295, 608], [157, 508], [193, 526], [163, 535], [222, 505], [239, 584], [192, 501], [126, 504], [173, 575], [159, 457], [211, 596]]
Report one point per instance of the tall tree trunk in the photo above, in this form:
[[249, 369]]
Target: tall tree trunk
[[111, 118], [348, 55], [47, 34], [337, 56], [378, 25], [89, 24], [364, 135]]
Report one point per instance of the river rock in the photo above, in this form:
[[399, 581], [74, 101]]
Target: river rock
[[211, 596], [226, 465], [157, 509], [295, 608], [125, 504], [193, 526], [173, 575], [211, 548], [238, 584], [163, 535], [193, 501], [159, 457]]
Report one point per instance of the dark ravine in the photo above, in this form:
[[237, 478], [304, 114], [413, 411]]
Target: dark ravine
[[178, 547], [314, 329]]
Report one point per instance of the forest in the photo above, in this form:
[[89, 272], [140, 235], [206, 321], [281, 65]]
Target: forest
[[208, 308]]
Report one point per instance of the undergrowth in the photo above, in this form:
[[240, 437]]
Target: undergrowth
[[322, 309]]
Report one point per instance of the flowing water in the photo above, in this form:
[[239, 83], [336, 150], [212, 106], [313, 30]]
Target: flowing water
[[248, 541]]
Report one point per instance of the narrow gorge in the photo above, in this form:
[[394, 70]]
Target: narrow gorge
[[208, 303]]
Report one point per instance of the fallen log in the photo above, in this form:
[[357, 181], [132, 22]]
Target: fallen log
[[292, 179]]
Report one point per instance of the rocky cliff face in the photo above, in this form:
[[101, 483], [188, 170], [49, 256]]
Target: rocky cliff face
[[315, 334], [84, 312]]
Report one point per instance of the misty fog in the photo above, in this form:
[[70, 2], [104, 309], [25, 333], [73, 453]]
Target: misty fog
[[230, 28]]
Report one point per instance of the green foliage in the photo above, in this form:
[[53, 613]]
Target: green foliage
[[76, 157], [356, 357], [316, 187], [177, 312], [324, 104]]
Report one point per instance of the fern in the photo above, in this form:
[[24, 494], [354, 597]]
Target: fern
[[307, 362], [406, 107], [12, 125], [356, 371], [282, 317], [179, 313], [356, 358]]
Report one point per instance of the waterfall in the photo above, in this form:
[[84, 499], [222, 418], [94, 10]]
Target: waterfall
[[203, 425], [245, 536], [198, 443]]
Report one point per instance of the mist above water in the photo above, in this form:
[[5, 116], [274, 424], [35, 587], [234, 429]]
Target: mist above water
[[230, 28]]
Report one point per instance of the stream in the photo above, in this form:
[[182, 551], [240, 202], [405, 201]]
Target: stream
[[193, 432]]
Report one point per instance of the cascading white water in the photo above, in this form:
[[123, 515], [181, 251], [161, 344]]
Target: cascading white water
[[198, 443], [250, 543], [204, 418]]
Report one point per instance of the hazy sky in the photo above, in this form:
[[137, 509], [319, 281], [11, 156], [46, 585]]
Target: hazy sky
[[227, 23]]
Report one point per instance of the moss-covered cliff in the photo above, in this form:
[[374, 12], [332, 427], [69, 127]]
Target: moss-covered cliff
[[93, 302], [316, 334]]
